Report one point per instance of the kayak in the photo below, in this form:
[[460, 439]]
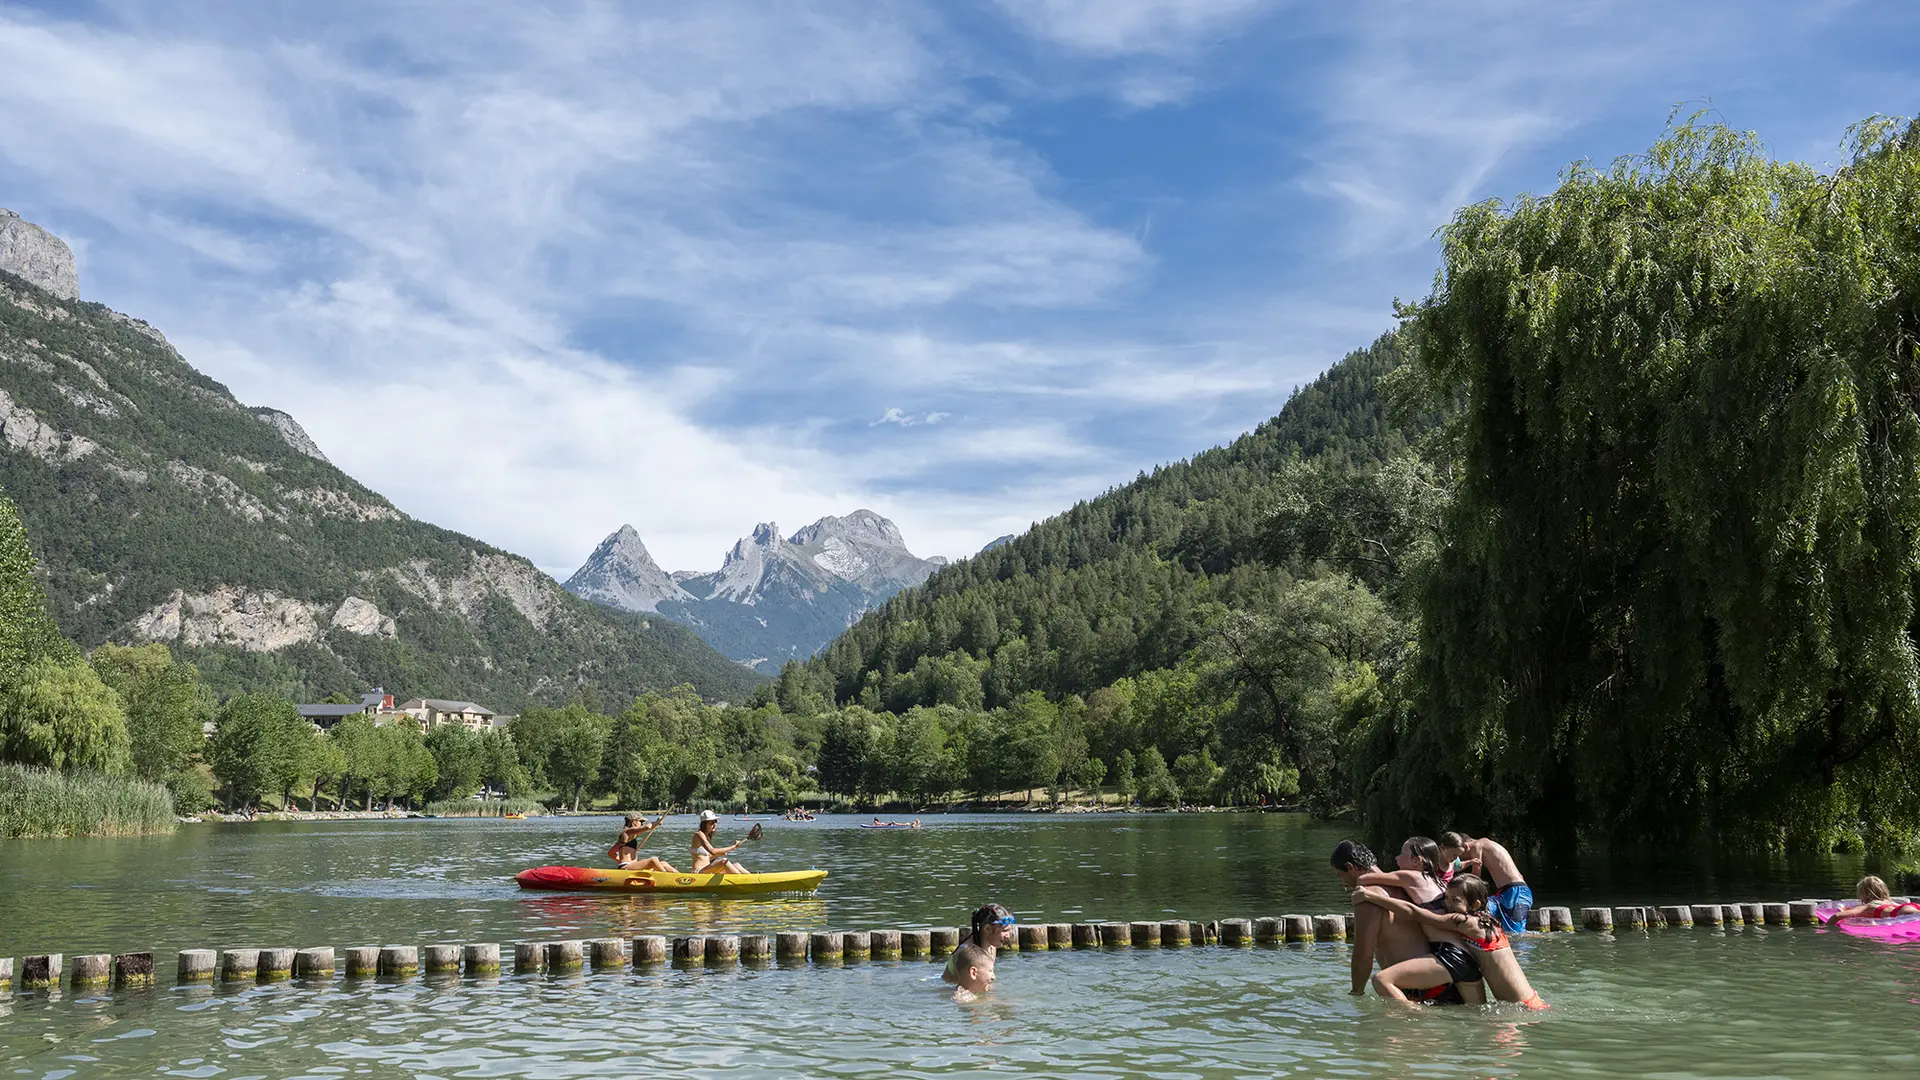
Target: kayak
[[1899, 928], [595, 879], [900, 825]]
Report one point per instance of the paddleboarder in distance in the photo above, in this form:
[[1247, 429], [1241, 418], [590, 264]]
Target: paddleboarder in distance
[[970, 969], [709, 859]]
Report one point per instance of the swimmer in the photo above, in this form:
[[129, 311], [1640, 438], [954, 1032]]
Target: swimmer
[[1876, 902], [970, 969], [1380, 934], [1489, 860], [1469, 921], [1417, 876]]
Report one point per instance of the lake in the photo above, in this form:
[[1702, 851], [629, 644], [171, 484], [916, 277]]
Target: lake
[[1675, 1003]]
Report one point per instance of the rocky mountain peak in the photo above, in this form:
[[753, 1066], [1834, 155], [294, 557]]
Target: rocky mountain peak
[[766, 534], [860, 527], [621, 573], [38, 256]]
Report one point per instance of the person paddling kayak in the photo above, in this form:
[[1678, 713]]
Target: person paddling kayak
[[970, 969], [707, 858], [626, 850]]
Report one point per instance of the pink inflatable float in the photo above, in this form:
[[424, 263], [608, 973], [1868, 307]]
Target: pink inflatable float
[[1901, 926]]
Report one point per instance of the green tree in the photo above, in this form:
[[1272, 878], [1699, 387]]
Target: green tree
[[459, 760], [27, 632], [1123, 774], [165, 705], [252, 751], [60, 715], [919, 753], [1088, 774], [1156, 783], [354, 737]]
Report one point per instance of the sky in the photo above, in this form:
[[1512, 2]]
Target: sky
[[534, 271]]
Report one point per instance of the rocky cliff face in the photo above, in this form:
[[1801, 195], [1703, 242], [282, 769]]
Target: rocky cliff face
[[290, 430], [774, 598], [38, 256]]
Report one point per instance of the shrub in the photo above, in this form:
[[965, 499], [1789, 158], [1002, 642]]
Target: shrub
[[41, 802]]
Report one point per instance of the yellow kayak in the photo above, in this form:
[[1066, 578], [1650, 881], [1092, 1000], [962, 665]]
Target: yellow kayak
[[594, 879]]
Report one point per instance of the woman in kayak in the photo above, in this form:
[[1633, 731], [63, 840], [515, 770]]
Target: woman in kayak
[[970, 969], [707, 858], [626, 850]]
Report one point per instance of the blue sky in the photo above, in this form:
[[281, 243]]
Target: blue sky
[[534, 271]]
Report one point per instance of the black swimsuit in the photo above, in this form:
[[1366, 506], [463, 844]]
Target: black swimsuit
[[1460, 964]]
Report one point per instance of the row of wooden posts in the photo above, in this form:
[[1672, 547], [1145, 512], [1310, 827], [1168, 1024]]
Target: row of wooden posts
[[606, 954]]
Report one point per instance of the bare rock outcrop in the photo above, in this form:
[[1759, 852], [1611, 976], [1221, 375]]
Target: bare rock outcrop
[[37, 255], [357, 616], [21, 430], [532, 593], [255, 621], [290, 430]]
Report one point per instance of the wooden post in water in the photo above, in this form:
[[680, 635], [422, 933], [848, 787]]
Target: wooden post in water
[[608, 954], [1059, 935], [649, 951], [1537, 920], [945, 939], [130, 969], [1296, 928], [915, 944], [1175, 934], [1597, 919], [6, 972], [363, 961], [758, 948], [276, 964], [790, 945], [1630, 918], [1733, 915], [1236, 933], [91, 969], [317, 962], [1706, 914], [1804, 912], [481, 958], [1676, 915], [566, 957], [441, 959], [1032, 938], [885, 944], [1086, 935], [855, 945], [824, 947], [1113, 935], [1777, 914], [1269, 930], [1560, 919], [42, 970], [1753, 914], [529, 957], [723, 949], [400, 961], [689, 951], [238, 964], [1329, 928], [1145, 935]]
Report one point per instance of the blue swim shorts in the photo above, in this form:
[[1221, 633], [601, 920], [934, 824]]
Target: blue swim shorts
[[1510, 905]]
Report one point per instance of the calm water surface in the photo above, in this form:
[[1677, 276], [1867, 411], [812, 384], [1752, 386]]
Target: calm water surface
[[1682, 1004]]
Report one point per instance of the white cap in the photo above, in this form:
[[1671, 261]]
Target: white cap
[[708, 815]]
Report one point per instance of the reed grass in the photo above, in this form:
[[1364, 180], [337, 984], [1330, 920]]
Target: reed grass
[[488, 808], [41, 802]]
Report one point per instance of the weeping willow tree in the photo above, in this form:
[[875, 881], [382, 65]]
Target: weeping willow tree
[[1676, 589]]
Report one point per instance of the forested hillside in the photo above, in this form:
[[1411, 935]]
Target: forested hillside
[[163, 510]]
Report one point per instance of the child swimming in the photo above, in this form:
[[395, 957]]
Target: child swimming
[[970, 969], [1876, 902]]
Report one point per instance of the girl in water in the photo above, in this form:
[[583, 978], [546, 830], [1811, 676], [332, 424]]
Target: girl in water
[[707, 858], [1487, 954], [1876, 902], [970, 969], [1417, 876]]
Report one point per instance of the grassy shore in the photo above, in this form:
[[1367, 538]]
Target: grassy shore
[[487, 808], [41, 802]]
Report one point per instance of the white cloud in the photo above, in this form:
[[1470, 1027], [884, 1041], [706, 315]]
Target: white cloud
[[1126, 27]]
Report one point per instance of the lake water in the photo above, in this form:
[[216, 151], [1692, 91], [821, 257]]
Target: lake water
[[1680, 1004]]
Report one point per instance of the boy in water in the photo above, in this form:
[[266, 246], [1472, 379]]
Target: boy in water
[[970, 969], [1510, 899]]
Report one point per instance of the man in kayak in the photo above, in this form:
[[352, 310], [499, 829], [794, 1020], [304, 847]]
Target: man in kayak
[[707, 858], [1380, 934], [1511, 899], [970, 968], [626, 850]]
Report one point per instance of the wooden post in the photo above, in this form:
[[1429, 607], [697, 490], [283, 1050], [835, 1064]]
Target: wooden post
[[1144, 935], [1175, 934], [195, 965], [1537, 920], [790, 945], [91, 969], [945, 939], [399, 961], [723, 949], [565, 957], [1208, 932], [1113, 935], [1059, 935], [1560, 919], [363, 961], [1329, 928], [1706, 914], [649, 951], [130, 969], [1777, 914], [1086, 935], [824, 947], [529, 957], [238, 964], [689, 951], [1676, 915], [317, 962], [915, 944], [1267, 931], [885, 944], [6, 972], [440, 959], [855, 945], [608, 954], [758, 948], [276, 964], [41, 970], [1753, 914], [1296, 928], [1630, 918], [1804, 912], [1032, 938], [482, 958], [1236, 933], [1597, 919]]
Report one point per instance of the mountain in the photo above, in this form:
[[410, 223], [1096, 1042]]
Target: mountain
[[164, 510], [774, 598]]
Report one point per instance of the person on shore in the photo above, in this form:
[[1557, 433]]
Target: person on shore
[[707, 858], [1467, 944], [1382, 934], [1876, 902], [1511, 899], [626, 850], [970, 968], [1417, 876]]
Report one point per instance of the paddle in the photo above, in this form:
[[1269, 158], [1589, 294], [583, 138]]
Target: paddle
[[649, 835]]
